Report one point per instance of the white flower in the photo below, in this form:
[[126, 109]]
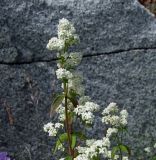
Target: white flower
[[55, 44], [66, 31], [124, 158], [116, 157], [112, 120], [124, 113], [48, 126], [147, 149], [94, 147], [81, 157], [103, 151], [85, 111], [106, 142], [81, 150], [58, 125], [123, 117], [64, 24], [90, 106], [154, 145], [111, 131], [123, 121], [89, 142], [112, 116], [63, 73], [112, 107], [87, 117], [52, 128]]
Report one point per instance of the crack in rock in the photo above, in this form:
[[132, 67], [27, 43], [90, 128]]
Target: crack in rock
[[87, 55]]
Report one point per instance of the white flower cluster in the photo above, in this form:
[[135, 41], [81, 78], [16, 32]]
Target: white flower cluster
[[123, 117], [110, 116], [55, 44], [94, 147], [111, 131], [85, 111], [63, 73], [66, 34], [52, 128], [111, 108], [66, 31]]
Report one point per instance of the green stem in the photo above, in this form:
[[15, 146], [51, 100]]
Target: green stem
[[120, 154], [67, 120], [119, 143]]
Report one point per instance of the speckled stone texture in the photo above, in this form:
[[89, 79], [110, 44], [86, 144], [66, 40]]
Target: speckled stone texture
[[118, 39]]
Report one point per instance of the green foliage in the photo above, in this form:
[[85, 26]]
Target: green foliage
[[68, 158], [153, 158], [120, 148], [96, 158], [62, 138], [73, 140]]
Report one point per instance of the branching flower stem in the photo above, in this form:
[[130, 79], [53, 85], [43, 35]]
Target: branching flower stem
[[67, 120]]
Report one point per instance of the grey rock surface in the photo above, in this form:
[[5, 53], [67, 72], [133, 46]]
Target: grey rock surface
[[103, 26], [127, 78], [118, 39]]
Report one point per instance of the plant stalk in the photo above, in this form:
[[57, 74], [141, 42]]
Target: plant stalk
[[67, 121]]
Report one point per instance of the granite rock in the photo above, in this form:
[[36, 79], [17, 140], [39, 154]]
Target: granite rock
[[103, 26], [118, 39]]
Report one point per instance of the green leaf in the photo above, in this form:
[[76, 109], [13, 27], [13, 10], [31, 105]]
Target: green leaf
[[154, 158], [96, 158], [114, 151], [73, 140], [122, 148], [68, 158], [57, 101], [62, 138], [125, 149]]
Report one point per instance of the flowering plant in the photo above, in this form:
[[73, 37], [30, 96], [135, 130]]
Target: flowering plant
[[72, 106]]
